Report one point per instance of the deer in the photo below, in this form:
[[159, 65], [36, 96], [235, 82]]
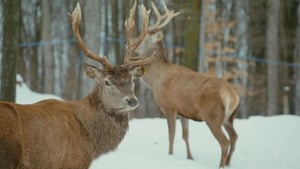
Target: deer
[[56, 134], [178, 90]]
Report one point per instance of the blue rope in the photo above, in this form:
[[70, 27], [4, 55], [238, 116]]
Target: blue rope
[[70, 40], [122, 41]]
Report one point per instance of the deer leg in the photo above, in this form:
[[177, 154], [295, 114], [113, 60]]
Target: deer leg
[[221, 138], [233, 137], [228, 125], [185, 135], [171, 119]]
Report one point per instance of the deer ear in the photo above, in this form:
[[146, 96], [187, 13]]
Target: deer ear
[[92, 71], [138, 71], [157, 36]]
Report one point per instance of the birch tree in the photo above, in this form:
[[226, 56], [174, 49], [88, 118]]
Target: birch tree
[[241, 15]]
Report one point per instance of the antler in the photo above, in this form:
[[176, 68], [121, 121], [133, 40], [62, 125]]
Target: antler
[[162, 20], [76, 19], [131, 46]]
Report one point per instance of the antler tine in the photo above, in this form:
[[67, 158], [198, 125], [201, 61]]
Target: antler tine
[[129, 30], [131, 46], [166, 18], [159, 17], [76, 19]]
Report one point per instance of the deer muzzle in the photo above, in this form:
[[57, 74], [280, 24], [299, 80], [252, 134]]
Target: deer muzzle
[[132, 101]]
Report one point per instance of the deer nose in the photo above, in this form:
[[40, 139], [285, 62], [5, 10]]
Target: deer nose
[[132, 102]]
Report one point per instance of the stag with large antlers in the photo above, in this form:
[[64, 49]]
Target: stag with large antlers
[[192, 95], [54, 134]]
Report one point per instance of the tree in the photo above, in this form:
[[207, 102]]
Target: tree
[[250, 43], [73, 76], [287, 40], [191, 35], [273, 54], [257, 42], [10, 49], [297, 60], [90, 31], [48, 58], [115, 30], [241, 11], [202, 55], [30, 31]]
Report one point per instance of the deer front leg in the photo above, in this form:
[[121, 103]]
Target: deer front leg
[[171, 119], [185, 135]]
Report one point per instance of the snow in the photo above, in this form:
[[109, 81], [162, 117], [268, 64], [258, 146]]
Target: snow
[[27, 96], [263, 143]]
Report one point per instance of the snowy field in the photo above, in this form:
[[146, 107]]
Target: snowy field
[[263, 143]]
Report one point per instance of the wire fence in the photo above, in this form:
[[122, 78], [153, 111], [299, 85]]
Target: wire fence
[[122, 42]]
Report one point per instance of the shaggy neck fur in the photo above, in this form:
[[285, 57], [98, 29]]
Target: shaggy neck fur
[[105, 129]]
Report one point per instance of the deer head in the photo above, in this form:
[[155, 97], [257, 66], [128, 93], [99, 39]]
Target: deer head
[[116, 83], [155, 34]]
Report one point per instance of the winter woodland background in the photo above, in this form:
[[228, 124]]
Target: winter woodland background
[[254, 44]]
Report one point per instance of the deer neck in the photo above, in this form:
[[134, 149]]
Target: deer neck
[[104, 129], [156, 71]]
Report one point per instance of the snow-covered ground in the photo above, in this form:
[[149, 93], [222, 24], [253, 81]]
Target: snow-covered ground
[[263, 143], [26, 96]]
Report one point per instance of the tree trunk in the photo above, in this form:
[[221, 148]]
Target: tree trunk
[[1, 34], [297, 68], [257, 47], [10, 49], [202, 66], [48, 58], [273, 54], [30, 32], [72, 77], [115, 31], [92, 34], [226, 8], [191, 35], [241, 13], [106, 30]]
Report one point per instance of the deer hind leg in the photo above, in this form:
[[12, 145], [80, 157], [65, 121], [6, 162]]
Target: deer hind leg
[[216, 129], [228, 125], [171, 119], [185, 135]]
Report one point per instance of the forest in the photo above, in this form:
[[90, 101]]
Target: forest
[[254, 44]]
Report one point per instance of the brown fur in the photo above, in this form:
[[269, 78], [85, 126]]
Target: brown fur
[[54, 134], [192, 95]]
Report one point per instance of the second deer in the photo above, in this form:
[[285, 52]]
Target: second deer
[[181, 91]]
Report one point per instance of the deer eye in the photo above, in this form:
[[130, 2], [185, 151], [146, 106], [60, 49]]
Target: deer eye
[[107, 83]]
